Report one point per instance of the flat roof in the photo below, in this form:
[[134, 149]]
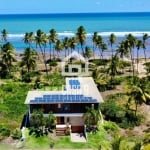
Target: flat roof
[[76, 90]]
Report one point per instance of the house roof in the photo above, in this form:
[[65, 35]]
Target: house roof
[[76, 90], [75, 55]]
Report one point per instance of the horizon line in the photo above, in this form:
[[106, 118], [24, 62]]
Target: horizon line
[[73, 13]]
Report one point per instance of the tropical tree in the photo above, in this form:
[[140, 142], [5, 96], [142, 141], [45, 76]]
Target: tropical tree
[[139, 45], [88, 52], [81, 36], [103, 48], [98, 43], [112, 40], [4, 35], [29, 38], [122, 51], [91, 119], [41, 41], [29, 58], [138, 93], [40, 125], [113, 67], [52, 38], [72, 43], [58, 47], [130, 44], [7, 56], [66, 45], [144, 39], [94, 39]]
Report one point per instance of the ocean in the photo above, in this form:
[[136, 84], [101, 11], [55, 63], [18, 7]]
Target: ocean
[[66, 25]]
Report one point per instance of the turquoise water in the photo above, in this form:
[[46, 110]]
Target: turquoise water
[[100, 22], [66, 24]]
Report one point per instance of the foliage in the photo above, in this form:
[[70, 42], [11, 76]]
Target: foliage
[[40, 125], [111, 126], [91, 119], [124, 118], [4, 131], [16, 134], [99, 62]]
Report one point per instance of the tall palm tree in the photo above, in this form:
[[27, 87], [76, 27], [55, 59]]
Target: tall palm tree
[[72, 43], [53, 37], [4, 35], [137, 95], [139, 45], [144, 38], [41, 41], [98, 43], [130, 44], [8, 55], [122, 50], [66, 45], [58, 47], [113, 67], [29, 38], [88, 52], [94, 39], [29, 58], [103, 48], [112, 40], [81, 36]]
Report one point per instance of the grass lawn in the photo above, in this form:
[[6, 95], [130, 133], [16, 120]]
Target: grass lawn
[[64, 142]]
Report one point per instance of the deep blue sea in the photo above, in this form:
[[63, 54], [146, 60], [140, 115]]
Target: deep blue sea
[[66, 24]]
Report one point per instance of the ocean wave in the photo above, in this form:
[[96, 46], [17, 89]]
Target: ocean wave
[[71, 34]]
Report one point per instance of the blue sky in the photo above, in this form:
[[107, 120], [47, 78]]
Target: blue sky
[[73, 6]]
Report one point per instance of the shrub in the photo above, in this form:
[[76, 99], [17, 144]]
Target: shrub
[[124, 118], [111, 126], [16, 134], [4, 131]]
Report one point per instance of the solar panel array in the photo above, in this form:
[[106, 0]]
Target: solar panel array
[[74, 84], [59, 98]]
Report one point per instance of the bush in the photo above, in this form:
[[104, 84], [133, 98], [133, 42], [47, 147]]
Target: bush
[[16, 134], [124, 118], [4, 131], [111, 126]]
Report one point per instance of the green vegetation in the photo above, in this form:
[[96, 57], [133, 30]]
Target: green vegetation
[[126, 91]]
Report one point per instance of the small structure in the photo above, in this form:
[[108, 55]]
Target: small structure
[[80, 71], [67, 105]]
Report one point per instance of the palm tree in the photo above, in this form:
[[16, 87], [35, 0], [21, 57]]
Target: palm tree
[[98, 43], [59, 46], [66, 44], [81, 36], [88, 52], [72, 43], [139, 45], [29, 38], [103, 48], [137, 95], [41, 41], [112, 40], [8, 55], [144, 38], [130, 44], [53, 37], [4, 35], [113, 67], [121, 50], [29, 59], [94, 39]]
